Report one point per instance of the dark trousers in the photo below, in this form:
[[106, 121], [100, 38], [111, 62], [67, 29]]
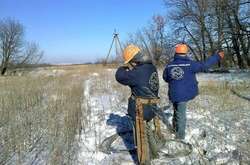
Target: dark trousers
[[179, 120]]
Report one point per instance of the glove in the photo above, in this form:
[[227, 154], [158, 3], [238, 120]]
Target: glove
[[128, 67]]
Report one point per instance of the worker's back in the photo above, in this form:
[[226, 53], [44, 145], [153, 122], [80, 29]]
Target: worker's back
[[180, 75], [143, 81]]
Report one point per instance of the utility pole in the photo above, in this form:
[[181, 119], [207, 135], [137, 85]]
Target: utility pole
[[118, 46]]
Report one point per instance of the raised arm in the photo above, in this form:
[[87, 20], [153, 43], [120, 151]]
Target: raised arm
[[204, 66], [125, 76]]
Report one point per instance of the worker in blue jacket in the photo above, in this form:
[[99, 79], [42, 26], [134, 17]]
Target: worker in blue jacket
[[141, 76], [182, 83]]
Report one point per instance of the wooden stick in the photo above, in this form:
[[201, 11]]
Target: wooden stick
[[142, 145], [158, 127]]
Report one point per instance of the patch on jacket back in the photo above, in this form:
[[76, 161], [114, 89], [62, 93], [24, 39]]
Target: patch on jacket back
[[176, 73], [154, 81]]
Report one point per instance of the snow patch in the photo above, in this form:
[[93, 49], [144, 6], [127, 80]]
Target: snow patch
[[95, 74]]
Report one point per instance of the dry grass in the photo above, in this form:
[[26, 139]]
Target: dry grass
[[221, 98], [42, 113], [39, 117]]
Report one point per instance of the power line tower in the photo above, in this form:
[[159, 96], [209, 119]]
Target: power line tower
[[118, 46]]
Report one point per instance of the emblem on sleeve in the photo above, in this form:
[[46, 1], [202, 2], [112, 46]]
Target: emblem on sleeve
[[177, 73], [154, 81]]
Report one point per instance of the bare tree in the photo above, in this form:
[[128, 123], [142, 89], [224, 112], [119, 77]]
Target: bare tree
[[14, 50], [238, 30], [11, 41], [152, 39], [31, 55], [190, 19], [211, 25]]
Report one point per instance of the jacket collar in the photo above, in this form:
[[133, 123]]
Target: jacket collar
[[179, 57], [144, 63]]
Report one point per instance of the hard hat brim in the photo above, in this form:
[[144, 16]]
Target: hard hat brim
[[128, 60], [130, 52]]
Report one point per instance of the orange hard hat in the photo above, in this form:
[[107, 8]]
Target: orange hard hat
[[129, 53], [181, 49]]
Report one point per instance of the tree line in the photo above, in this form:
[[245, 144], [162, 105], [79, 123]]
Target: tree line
[[15, 51], [206, 26]]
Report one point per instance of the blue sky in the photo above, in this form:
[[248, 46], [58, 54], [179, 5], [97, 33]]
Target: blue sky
[[76, 31]]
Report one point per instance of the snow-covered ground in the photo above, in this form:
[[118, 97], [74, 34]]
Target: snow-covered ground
[[218, 121], [216, 136]]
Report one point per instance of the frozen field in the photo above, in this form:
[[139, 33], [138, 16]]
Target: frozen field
[[218, 121], [215, 121]]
